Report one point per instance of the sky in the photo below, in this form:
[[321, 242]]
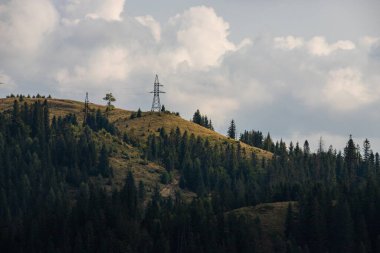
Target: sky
[[297, 69]]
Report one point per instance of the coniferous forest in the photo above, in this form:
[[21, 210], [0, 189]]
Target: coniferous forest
[[53, 197]]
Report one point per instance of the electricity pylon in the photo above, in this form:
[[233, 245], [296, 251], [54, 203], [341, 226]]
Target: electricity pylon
[[156, 104]]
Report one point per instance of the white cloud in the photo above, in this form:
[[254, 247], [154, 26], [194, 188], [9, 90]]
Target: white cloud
[[318, 46], [209, 104], [288, 42], [369, 40], [6, 82], [197, 60], [345, 90], [109, 10], [152, 24], [25, 25], [104, 66], [202, 37]]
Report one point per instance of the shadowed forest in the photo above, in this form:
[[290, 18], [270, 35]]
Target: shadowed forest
[[57, 192]]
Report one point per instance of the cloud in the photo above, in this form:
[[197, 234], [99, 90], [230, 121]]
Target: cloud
[[281, 84], [338, 140], [318, 46], [104, 66], [346, 91], [6, 82], [202, 37], [110, 10], [152, 24], [288, 42], [369, 40], [25, 26]]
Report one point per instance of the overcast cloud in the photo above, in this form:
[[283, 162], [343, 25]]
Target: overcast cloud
[[299, 70]]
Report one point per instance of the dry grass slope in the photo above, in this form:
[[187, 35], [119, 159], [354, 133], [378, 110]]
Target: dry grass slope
[[150, 123], [126, 157]]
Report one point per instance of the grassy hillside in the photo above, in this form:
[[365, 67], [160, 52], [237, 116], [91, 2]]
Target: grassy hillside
[[151, 122], [125, 157], [140, 127]]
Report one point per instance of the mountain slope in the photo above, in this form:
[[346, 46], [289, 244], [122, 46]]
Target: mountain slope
[[139, 127], [125, 157]]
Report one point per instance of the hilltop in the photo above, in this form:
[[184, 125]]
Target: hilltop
[[139, 127], [125, 157]]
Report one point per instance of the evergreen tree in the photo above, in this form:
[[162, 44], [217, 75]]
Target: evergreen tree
[[138, 115], [232, 130], [202, 120], [343, 230], [268, 143], [366, 150], [103, 165], [197, 118], [350, 158]]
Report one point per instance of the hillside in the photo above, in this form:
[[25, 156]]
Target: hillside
[[65, 187], [271, 217], [139, 127], [125, 157]]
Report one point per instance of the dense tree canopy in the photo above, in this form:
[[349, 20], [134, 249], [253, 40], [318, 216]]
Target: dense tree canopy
[[202, 120], [54, 195]]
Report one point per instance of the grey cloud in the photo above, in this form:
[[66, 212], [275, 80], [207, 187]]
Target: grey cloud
[[262, 87]]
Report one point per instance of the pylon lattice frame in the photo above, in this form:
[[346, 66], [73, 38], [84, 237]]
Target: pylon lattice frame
[[156, 104]]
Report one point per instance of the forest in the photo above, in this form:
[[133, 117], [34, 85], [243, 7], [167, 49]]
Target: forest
[[53, 197]]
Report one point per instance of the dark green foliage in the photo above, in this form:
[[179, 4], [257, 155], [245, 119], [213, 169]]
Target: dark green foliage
[[232, 130], [103, 166], [320, 182], [205, 168], [253, 138], [40, 161], [53, 199], [97, 121], [137, 114], [202, 120]]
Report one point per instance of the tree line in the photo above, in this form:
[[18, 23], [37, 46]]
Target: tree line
[[55, 197]]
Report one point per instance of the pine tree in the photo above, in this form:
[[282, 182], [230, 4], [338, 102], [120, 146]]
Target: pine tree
[[350, 158], [138, 115], [103, 165], [129, 195], [306, 148], [232, 130], [343, 229], [366, 150], [197, 118], [268, 143], [289, 222]]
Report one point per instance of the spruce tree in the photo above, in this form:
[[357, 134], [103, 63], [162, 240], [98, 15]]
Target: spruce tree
[[232, 130], [197, 118], [103, 164], [138, 115]]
